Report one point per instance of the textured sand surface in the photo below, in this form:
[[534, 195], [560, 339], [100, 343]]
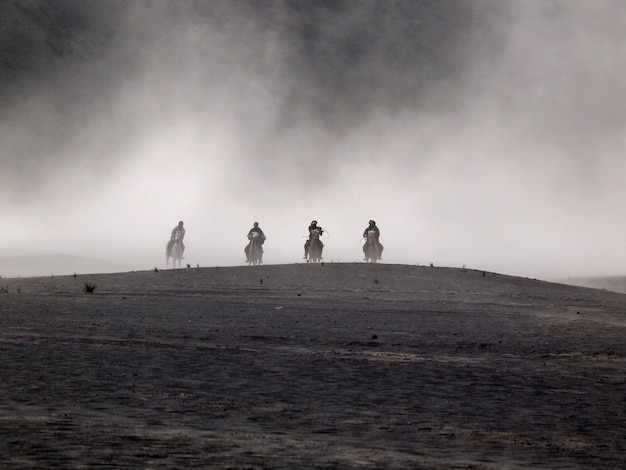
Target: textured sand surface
[[311, 366]]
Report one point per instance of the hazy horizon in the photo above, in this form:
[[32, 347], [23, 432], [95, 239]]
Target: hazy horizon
[[500, 149]]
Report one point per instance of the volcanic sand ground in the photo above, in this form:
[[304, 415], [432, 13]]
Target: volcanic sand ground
[[311, 366]]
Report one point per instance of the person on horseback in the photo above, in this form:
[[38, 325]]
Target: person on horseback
[[178, 233], [372, 226], [313, 227], [254, 229]]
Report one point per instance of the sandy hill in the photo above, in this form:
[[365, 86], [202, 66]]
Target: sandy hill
[[612, 283], [385, 281], [316, 366]]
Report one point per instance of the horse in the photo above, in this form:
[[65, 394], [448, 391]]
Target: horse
[[372, 248], [174, 250], [315, 248], [255, 252]]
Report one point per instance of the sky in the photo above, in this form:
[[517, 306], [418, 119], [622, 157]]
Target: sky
[[506, 156]]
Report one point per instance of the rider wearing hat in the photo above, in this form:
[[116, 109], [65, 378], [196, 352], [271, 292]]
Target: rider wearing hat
[[312, 227], [178, 232], [370, 227], [254, 229]]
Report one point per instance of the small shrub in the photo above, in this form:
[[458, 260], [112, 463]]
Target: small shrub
[[156, 270], [432, 265], [89, 287], [375, 280], [4, 289]]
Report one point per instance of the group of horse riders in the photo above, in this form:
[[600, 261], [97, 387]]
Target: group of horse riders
[[371, 235]]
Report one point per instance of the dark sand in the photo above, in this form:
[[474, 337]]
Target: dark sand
[[310, 366]]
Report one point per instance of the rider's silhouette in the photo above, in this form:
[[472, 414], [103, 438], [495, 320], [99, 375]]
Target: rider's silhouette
[[307, 245], [178, 232], [372, 226], [254, 229]]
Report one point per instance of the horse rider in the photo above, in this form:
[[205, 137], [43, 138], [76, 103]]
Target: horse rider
[[178, 232], [254, 229], [372, 226], [307, 245]]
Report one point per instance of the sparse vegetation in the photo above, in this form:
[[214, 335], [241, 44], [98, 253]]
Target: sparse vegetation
[[375, 280], [432, 265], [156, 270], [4, 289], [89, 287]]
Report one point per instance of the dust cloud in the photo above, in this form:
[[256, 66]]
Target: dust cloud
[[493, 139]]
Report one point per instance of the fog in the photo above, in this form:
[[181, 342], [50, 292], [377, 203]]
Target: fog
[[513, 161]]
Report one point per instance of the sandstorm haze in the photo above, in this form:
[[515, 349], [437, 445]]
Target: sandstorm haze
[[477, 133]]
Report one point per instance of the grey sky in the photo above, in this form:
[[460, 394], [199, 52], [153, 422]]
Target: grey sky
[[500, 149]]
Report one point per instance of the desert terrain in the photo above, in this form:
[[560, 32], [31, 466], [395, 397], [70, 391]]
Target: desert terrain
[[311, 366]]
